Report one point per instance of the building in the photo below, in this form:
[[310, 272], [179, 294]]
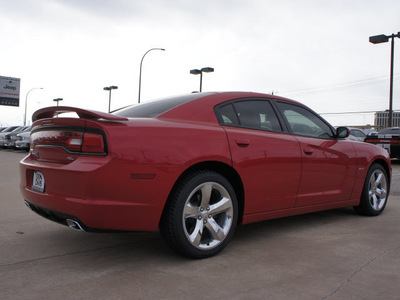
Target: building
[[381, 119]]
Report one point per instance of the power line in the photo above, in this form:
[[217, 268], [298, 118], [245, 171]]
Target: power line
[[350, 112], [342, 86]]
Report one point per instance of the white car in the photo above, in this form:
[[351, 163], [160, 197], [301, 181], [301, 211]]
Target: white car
[[357, 134]]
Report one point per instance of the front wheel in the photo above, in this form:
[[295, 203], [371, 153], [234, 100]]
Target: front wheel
[[201, 215], [375, 192]]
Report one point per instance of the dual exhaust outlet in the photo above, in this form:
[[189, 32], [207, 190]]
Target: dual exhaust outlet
[[73, 224]]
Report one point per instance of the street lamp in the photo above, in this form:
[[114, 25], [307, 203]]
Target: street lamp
[[382, 38], [110, 88], [26, 102], [58, 100], [140, 72], [197, 72]]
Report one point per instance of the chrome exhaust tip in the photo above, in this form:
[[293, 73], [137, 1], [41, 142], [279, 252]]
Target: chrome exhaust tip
[[28, 205], [74, 225]]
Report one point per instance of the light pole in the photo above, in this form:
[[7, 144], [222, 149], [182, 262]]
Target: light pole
[[26, 102], [197, 72], [110, 88], [58, 100], [382, 38], [140, 72]]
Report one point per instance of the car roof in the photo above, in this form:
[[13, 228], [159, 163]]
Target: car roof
[[195, 106], [194, 110]]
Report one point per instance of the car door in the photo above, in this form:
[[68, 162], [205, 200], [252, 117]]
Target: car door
[[267, 159], [328, 163]]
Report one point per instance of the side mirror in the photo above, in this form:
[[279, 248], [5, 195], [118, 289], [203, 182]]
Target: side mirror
[[342, 132]]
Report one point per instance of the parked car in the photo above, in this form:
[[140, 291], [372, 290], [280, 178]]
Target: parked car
[[4, 132], [195, 166], [357, 134], [10, 138], [389, 139], [22, 140]]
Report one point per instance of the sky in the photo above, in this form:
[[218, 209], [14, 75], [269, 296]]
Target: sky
[[313, 51]]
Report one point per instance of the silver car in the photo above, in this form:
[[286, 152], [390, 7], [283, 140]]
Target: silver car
[[10, 138], [4, 132], [23, 140]]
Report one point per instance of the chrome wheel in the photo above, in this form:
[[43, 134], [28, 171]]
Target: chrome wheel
[[201, 214], [207, 215], [377, 190]]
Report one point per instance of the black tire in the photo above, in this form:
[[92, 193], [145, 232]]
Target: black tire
[[201, 215], [375, 192]]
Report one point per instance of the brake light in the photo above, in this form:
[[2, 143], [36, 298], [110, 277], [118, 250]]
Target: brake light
[[383, 141], [93, 143], [73, 141]]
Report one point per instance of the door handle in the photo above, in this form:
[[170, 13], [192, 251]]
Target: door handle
[[308, 150], [242, 142]]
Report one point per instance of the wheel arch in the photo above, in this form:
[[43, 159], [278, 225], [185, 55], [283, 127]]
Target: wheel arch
[[385, 165], [223, 169]]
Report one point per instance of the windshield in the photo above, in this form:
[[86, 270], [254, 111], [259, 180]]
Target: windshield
[[155, 108]]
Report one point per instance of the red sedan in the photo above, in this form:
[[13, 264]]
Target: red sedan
[[195, 166]]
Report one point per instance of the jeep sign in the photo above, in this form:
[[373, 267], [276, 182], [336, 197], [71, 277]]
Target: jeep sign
[[9, 91]]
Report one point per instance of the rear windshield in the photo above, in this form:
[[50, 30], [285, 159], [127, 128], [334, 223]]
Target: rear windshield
[[155, 108]]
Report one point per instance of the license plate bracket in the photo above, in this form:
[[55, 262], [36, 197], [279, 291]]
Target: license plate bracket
[[38, 182]]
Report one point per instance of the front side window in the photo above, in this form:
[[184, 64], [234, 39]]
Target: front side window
[[304, 122], [254, 114]]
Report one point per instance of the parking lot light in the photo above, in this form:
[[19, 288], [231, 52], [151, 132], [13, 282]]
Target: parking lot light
[[26, 102], [140, 70], [382, 38], [110, 88], [58, 100], [197, 72]]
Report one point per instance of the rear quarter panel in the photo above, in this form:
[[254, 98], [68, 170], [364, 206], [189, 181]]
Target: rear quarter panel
[[149, 156]]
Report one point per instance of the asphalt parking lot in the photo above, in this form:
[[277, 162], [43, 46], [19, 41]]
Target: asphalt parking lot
[[329, 255]]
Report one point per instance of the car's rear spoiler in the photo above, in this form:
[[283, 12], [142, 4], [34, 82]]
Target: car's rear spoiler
[[49, 112]]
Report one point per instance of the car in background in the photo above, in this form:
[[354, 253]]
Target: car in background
[[2, 128], [4, 132], [22, 140], [196, 166], [387, 138], [357, 134], [10, 138]]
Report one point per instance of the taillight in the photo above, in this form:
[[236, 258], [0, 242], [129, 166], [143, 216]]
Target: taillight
[[93, 143], [73, 141]]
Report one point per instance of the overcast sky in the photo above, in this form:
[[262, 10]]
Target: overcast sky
[[316, 51]]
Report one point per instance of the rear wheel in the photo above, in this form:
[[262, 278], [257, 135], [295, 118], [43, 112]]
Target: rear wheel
[[201, 215], [375, 192]]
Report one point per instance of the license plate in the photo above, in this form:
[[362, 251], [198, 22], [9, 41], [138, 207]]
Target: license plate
[[38, 181]]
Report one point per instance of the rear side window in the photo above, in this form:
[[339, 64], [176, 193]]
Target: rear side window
[[254, 114]]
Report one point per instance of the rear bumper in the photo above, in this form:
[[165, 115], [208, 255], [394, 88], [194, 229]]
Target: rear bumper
[[61, 218], [99, 192]]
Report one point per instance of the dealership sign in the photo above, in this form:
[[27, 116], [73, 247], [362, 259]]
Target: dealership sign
[[9, 91]]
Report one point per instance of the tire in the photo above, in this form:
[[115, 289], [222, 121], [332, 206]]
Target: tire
[[375, 192], [201, 215]]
